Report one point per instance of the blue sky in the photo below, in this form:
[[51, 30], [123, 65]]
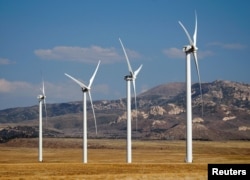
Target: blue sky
[[63, 36]]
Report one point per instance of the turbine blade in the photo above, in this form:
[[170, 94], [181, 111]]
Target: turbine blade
[[93, 76], [189, 38], [135, 74], [137, 71], [45, 108], [195, 30], [135, 103], [129, 66], [90, 98], [77, 81], [198, 72], [43, 89], [44, 102]]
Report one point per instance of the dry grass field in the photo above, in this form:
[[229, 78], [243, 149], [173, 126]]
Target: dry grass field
[[107, 159]]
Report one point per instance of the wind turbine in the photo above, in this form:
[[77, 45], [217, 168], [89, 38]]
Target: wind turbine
[[84, 90], [41, 99], [131, 77], [190, 49]]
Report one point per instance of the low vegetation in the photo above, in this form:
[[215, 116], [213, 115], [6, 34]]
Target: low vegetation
[[107, 159]]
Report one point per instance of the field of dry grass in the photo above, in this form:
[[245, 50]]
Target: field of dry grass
[[107, 159]]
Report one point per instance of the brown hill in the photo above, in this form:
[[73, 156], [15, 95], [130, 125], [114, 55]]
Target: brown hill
[[167, 90], [161, 114]]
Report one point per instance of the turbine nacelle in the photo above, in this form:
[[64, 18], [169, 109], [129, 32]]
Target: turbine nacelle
[[190, 49], [85, 90], [41, 97], [129, 78]]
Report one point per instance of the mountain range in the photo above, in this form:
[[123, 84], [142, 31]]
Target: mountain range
[[223, 113]]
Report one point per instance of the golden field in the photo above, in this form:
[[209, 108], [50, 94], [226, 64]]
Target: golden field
[[107, 159]]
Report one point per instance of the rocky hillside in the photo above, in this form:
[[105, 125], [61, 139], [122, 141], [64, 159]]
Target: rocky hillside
[[161, 114]]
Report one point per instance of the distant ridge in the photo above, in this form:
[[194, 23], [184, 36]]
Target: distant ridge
[[167, 90], [161, 114]]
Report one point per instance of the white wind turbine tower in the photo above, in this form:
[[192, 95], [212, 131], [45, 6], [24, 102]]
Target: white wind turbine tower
[[129, 78], [84, 90], [41, 98], [190, 49]]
